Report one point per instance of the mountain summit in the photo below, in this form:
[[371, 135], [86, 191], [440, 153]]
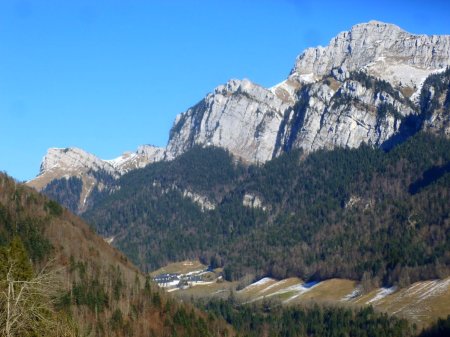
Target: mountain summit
[[89, 170], [382, 50]]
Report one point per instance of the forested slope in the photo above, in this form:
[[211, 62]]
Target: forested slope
[[340, 213], [78, 285]]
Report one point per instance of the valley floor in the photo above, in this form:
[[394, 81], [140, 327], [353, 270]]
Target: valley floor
[[421, 303]]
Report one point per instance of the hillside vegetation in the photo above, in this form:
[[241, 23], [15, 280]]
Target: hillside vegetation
[[84, 287], [348, 213], [269, 319], [77, 284]]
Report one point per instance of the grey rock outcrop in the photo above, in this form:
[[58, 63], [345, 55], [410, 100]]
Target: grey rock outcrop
[[79, 161], [435, 103], [73, 159], [328, 116], [383, 50], [239, 116]]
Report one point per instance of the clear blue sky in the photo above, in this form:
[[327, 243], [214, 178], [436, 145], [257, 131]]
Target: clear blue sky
[[109, 75]]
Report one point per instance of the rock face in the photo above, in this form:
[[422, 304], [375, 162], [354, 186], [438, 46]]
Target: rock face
[[73, 159], [435, 103], [253, 201], [239, 116], [332, 114], [367, 86], [129, 161]]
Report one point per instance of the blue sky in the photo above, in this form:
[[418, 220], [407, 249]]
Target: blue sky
[[108, 76]]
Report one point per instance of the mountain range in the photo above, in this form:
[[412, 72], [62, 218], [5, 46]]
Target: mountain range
[[329, 174], [366, 86], [342, 170]]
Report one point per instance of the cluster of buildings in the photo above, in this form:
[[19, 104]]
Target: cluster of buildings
[[176, 280]]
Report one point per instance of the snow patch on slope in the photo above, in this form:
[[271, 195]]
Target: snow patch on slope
[[261, 282], [354, 294], [299, 289], [293, 290], [416, 95], [382, 293]]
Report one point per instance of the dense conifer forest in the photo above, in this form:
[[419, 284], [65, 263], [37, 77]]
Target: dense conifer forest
[[343, 213], [85, 288], [269, 319]]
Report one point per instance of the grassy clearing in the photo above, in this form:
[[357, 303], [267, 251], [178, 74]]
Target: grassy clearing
[[407, 91], [183, 267], [328, 291], [421, 303], [215, 290]]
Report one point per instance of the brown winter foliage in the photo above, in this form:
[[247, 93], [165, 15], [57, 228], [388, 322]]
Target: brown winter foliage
[[99, 291]]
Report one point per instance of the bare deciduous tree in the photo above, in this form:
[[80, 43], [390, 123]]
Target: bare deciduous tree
[[27, 306]]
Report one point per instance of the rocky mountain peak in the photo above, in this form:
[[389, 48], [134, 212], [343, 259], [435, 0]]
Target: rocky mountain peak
[[72, 159], [60, 163], [383, 50], [233, 86], [144, 155]]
